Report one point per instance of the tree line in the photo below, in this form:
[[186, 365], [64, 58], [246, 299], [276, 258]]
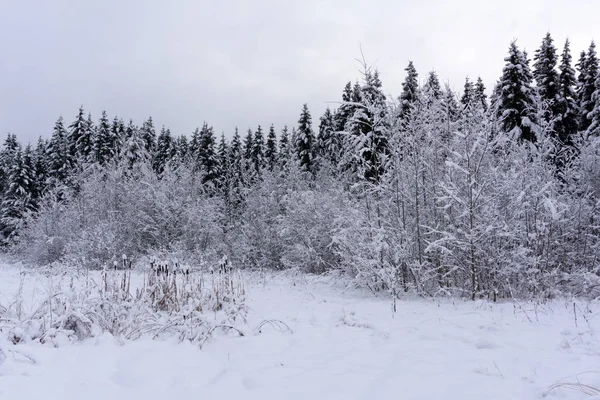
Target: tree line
[[430, 192]]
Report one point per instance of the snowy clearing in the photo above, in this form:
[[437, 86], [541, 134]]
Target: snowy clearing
[[344, 345]]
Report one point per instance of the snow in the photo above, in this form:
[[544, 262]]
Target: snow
[[345, 344]]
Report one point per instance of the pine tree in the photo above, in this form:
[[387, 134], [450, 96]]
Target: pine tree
[[183, 149], [588, 73], [346, 109], [258, 151], [248, 147], [117, 137], [7, 155], [235, 158], [516, 101], [77, 130], [17, 197], [410, 89], [567, 109], [103, 141], [432, 86], [223, 153], [450, 104], [40, 168], [148, 135], [134, 149], [546, 77], [468, 96], [207, 156], [305, 140], [85, 142], [328, 146], [164, 151], [284, 148], [271, 149], [480, 96], [58, 154]]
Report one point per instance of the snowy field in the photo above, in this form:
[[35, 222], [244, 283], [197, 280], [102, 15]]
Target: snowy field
[[345, 344]]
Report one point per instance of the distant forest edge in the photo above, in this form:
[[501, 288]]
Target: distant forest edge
[[429, 193]]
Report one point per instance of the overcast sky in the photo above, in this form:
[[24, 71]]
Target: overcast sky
[[242, 63]]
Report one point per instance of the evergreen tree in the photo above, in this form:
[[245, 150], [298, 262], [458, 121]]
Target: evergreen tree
[[258, 151], [164, 151], [134, 149], [148, 135], [235, 158], [480, 97], [7, 155], [182, 147], [410, 89], [103, 141], [58, 154], [588, 73], [284, 148], [432, 86], [369, 144], [223, 153], [305, 140], [546, 77], [327, 143], [271, 149], [117, 136], [567, 109], [346, 109], [40, 169], [468, 96], [516, 100], [450, 104], [85, 142], [16, 201], [77, 130], [207, 156], [248, 146]]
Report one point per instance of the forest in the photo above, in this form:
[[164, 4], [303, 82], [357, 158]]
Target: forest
[[430, 193]]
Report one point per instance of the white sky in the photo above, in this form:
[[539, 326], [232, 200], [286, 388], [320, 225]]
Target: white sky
[[242, 63]]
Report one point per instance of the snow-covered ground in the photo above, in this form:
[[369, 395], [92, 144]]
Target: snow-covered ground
[[344, 345]]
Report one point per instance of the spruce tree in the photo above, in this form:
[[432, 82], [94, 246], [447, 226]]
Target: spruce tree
[[546, 77], [77, 130], [468, 96], [85, 142], [164, 151], [432, 86], [271, 149], [207, 156], [223, 153], [148, 135], [305, 140], [134, 149], [516, 100], [248, 147], [346, 109], [103, 141], [258, 151], [480, 96], [410, 89], [588, 73], [284, 148], [16, 201], [58, 154], [183, 149], [327, 144], [567, 109], [40, 168]]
